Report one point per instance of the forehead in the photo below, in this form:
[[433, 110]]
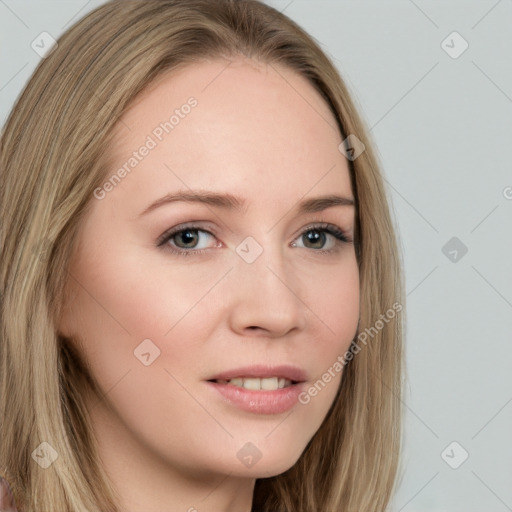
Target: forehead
[[236, 126]]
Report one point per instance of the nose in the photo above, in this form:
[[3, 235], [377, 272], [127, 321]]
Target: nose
[[266, 297]]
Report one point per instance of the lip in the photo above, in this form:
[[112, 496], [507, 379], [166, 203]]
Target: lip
[[260, 402], [289, 372]]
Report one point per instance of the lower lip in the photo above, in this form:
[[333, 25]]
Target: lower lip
[[259, 402]]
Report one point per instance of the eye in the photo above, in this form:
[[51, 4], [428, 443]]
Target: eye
[[186, 240], [191, 239], [315, 237]]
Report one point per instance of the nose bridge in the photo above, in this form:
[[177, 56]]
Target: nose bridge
[[264, 262], [267, 294]]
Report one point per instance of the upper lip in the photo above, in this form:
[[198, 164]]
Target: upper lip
[[292, 373]]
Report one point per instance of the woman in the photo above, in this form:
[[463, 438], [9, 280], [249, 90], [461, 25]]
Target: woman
[[202, 293]]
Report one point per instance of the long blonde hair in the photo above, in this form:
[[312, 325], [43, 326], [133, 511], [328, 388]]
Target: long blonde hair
[[53, 149]]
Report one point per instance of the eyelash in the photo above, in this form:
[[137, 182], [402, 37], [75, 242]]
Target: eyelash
[[341, 237]]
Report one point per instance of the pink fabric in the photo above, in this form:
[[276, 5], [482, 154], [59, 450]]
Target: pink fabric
[[6, 499]]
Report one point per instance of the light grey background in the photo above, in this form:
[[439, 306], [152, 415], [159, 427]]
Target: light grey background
[[443, 130]]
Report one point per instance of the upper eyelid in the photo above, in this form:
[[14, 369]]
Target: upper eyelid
[[183, 227]]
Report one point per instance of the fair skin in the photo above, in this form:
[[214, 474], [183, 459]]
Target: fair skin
[[168, 440]]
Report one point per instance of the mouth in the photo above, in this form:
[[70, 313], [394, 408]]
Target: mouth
[[258, 384], [260, 389], [261, 377]]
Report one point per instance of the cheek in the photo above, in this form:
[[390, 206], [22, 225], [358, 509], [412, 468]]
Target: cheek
[[138, 318], [332, 296], [140, 297], [333, 300], [143, 333]]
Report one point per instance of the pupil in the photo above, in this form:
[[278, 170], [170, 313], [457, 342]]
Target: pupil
[[315, 236], [188, 237]]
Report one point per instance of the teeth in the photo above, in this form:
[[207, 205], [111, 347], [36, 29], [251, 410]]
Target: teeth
[[256, 384], [270, 384]]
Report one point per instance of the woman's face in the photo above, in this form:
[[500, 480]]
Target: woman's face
[[241, 288]]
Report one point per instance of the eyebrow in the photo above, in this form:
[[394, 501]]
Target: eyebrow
[[231, 202]]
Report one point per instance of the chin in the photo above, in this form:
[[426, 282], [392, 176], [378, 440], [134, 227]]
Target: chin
[[265, 461], [273, 468]]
